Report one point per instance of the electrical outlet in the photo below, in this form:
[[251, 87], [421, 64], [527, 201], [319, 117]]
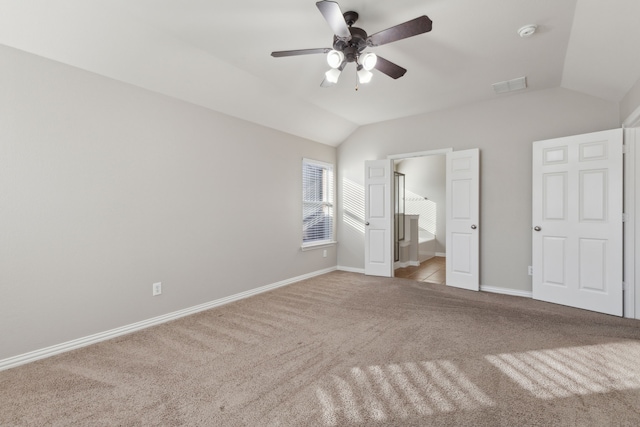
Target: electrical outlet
[[157, 289], [530, 270], [324, 253]]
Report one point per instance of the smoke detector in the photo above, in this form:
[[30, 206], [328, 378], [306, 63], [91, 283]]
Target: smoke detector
[[527, 31]]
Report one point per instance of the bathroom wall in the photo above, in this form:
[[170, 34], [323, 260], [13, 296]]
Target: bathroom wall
[[425, 176]]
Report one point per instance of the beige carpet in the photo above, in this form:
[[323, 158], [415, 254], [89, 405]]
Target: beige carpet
[[346, 349]]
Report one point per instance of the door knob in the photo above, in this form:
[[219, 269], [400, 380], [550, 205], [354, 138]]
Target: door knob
[[537, 228], [366, 223], [473, 227]]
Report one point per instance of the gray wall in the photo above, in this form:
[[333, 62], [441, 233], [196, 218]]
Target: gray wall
[[630, 102], [426, 176], [106, 188], [503, 129]]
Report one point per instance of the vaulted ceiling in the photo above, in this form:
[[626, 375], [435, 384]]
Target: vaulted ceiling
[[217, 54]]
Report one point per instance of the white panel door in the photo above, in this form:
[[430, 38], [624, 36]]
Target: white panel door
[[577, 221], [378, 238], [463, 190]]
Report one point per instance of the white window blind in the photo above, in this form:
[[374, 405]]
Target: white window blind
[[317, 202]]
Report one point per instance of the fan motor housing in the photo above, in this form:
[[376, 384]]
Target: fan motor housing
[[353, 47]]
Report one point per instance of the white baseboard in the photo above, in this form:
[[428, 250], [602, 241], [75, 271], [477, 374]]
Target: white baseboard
[[506, 291], [351, 269], [441, 254], [32, 356]]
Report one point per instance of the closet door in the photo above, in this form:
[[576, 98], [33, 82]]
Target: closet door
[[577, 221]]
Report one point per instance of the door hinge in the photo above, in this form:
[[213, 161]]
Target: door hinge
[[625, 217], [624, 148], [624, 286]]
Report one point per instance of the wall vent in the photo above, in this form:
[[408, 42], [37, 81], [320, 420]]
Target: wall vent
[[510, 85]]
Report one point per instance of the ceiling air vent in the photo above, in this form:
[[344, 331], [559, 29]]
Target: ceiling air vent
[[510, 85]]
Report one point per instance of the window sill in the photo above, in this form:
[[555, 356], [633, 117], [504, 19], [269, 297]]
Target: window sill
[[320, 245]]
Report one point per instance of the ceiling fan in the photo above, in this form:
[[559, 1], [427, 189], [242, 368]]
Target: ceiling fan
[[349, 43]]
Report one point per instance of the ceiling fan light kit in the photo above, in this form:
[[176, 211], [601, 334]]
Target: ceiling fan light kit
[[349, 43]]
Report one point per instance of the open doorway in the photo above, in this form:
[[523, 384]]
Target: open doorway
[[421, 252], [462, 216]]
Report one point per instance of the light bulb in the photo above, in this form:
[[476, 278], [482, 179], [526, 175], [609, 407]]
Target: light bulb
[[335, 58], [369, 61]]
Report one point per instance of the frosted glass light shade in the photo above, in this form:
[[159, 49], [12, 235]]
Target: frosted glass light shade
[[335, 58], [369, 61], [364, 76], [332, 75]]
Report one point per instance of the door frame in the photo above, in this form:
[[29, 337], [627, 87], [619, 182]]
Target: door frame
[[438, 152], [631, 298]]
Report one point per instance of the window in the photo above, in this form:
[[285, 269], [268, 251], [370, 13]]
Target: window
[[317, 203]]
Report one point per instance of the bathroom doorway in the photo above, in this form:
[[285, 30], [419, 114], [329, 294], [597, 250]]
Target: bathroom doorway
[[462, 200], [421, 253]]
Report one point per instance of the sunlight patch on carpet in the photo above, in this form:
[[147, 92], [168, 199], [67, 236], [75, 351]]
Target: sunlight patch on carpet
[[398, 391], [571, 371]]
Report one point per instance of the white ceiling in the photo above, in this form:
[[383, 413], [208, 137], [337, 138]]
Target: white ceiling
[[217, 54]]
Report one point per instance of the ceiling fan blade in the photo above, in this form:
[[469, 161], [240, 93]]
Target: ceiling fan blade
[[282, 53], [389, 68], [333, 15], [402, 31]]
